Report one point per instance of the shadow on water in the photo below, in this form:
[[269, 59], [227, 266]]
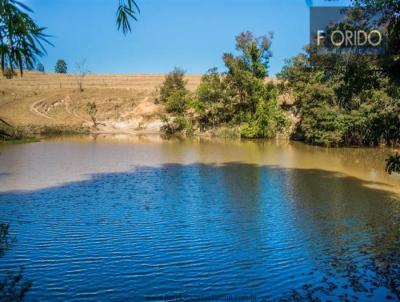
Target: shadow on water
[[202, 231]]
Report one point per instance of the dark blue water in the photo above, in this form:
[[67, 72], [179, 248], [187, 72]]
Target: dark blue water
[[204, 232]]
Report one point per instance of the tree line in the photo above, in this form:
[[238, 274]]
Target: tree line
[[239, 101], [339, 100]]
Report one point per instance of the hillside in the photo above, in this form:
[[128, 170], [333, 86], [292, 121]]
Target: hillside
[[125, 103]]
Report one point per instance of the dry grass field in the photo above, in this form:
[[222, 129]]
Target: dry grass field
[[125, 103]]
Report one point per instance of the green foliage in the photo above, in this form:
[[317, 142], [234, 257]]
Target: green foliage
[[255, 54], [267, 121], [13, 288], [173, 92], [240, 97], [386, 13], [61, 66], [177, 125], [6, 130], [40, 67], [237, 99], [5, 240], [393, 164], [91, 110], [342, 100], [56, 130], [21, 39], [177, 102], [127, 9], [212, 103], [9, 73], [10, 133], [174, 82]]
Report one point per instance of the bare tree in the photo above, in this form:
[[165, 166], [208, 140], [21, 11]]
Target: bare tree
[[91, 110], [82, 72]]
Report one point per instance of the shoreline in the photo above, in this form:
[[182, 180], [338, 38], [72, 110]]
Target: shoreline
[[364, 164]]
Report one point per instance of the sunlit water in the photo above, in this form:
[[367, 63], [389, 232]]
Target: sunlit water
[[129, 218]]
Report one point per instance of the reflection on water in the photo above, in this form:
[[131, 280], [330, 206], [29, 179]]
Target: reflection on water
[[199, 219], [62, 160]]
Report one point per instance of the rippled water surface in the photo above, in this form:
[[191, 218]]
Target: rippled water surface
[[128, 219]]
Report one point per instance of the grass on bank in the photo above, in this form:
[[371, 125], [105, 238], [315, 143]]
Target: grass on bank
[[10, 134]]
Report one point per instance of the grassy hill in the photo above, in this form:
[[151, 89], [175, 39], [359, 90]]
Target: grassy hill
[[125, 102]]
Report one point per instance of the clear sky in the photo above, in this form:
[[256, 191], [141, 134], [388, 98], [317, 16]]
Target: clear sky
[[192, 34]]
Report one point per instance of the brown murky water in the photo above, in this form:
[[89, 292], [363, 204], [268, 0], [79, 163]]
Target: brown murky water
[[125, 218], [62, 160]]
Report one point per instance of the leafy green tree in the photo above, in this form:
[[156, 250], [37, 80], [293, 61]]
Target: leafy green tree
[[342, 100], [40, 67], [176, 125], [246, 72], [386, 13], [237, 99], [173, 92], [255, 53], [61, 66], [91, 109], [349, 99], [393, 164], [212, 103], [21, 39]]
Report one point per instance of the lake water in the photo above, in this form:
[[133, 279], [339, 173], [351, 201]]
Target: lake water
[[117, 218]]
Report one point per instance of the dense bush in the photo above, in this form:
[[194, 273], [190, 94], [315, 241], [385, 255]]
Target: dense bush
[[61, 66], [393, 164], [10, 132], [342, 100], [177, 125], [40, 67], [236, 99], [173, 92], [9, 73], [349, 99]]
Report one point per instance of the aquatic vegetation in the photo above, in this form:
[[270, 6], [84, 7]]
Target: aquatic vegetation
[[352, 281], [4, 129], [13, 288], [393, 164]]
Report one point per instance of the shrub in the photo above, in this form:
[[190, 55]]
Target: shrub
[[61, 66], [91, 109], [176, 125], [40, 67], [174, 82], [393, 164], [173, 92], [238, 98], [342, 101], [9, 73], [177, 102]]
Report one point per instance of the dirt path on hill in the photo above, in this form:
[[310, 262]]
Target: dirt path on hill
[[34, 107]]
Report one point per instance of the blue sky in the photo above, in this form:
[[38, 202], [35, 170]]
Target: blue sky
[[192, 34]]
